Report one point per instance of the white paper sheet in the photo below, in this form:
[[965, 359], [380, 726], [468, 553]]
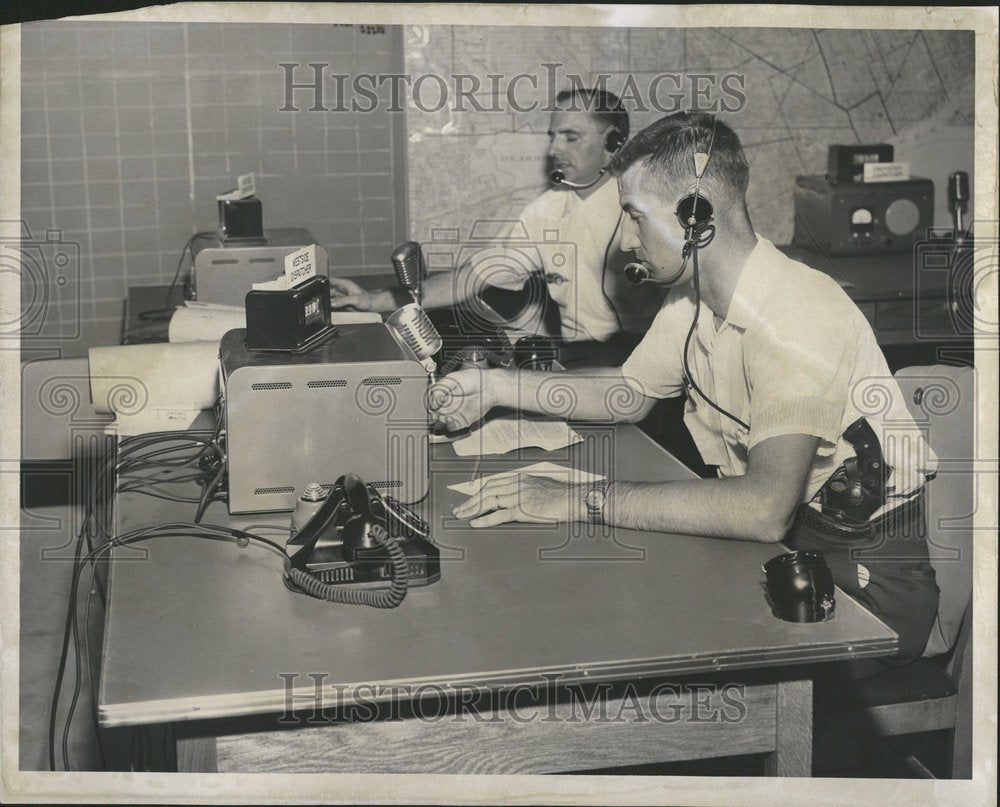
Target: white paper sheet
[[130, 379], [547, 469], [500, 435], [204, 322]]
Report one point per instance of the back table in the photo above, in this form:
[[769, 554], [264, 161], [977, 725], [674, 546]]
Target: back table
[[203, 635]]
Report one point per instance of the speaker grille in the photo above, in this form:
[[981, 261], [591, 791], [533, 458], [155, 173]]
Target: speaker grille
[[392, 483], [269, 385], [382, 381], [273, 491], [333, 382]]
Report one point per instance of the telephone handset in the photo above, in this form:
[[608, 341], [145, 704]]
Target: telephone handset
[[481, 350], [360, 548]]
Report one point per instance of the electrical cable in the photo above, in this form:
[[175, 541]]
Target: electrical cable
[[604, 270], [204, 500], [182, 529], [96, 521], [91, 676], [687, 343], [167, 311]]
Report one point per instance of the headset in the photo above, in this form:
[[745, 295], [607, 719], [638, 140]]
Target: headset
[[694, 213], [613, 140], [696, 216]]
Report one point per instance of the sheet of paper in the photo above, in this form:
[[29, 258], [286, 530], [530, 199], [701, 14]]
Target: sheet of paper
[[201, 323], [501, 435], [547, 469], [354, 317], [128, 379], [438, 437]]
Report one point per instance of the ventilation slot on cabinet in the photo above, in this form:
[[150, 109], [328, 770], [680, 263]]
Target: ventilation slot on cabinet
[[268, 385], [273, 491], [392, 483], [333, 382], [382, 381]]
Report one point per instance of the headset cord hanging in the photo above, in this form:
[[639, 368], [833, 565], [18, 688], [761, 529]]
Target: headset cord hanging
[[695, 246]]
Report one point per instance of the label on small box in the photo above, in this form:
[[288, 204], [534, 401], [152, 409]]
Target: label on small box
[[886, 172], [246, 185], [300, 265], [245, 188]]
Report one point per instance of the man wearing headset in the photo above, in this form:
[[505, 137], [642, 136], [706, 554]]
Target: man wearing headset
[[580, 209], [780, 363]]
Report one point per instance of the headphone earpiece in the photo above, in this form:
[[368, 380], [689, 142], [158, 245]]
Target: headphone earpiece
[[694, 212], [614, 140]]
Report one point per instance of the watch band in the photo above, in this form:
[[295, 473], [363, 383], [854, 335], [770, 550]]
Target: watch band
[[594, 499]]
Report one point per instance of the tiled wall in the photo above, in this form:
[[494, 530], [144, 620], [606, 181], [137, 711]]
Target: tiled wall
[[129, 130]]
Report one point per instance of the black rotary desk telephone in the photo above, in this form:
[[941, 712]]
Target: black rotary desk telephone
[[360, 548]]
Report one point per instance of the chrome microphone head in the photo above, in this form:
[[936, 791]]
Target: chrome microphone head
[[557, 177], [414, 329], [408, 263]]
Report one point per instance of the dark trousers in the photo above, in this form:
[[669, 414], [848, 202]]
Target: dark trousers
[[885, 568]]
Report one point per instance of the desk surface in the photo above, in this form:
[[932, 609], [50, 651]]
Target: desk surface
[[203, 628]]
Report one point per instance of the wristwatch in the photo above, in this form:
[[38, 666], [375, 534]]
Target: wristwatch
[[594, 499]]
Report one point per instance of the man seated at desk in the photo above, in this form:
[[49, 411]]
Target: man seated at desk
[[779, 362], [595, 304]]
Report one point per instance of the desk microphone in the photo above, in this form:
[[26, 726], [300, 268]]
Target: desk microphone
[[408, 263], [557, 177], [413, 328]]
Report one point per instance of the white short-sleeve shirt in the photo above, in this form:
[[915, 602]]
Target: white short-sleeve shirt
[[795, 355], [576, 244]]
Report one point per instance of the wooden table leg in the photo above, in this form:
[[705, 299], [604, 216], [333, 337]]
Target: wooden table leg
[[792, 755], [196, 754]]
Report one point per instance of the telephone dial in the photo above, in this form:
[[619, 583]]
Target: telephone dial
[[357, 546]]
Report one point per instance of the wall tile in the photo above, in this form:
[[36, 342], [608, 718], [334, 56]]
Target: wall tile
[[111, 102]]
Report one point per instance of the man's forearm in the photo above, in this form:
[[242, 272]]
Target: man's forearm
[[438, 290], [724, 508], [599, 395], [443, 289]]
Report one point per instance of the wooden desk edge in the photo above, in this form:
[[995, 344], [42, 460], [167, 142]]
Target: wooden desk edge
[[206, 707]]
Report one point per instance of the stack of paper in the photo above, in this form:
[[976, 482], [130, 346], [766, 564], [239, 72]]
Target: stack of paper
[[504, 434]]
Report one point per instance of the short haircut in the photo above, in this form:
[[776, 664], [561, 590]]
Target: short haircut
[[667, 146], [604, 106]]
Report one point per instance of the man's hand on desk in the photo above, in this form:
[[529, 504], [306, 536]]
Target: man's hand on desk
[[531, 499], [345, 293], [460, 399]]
